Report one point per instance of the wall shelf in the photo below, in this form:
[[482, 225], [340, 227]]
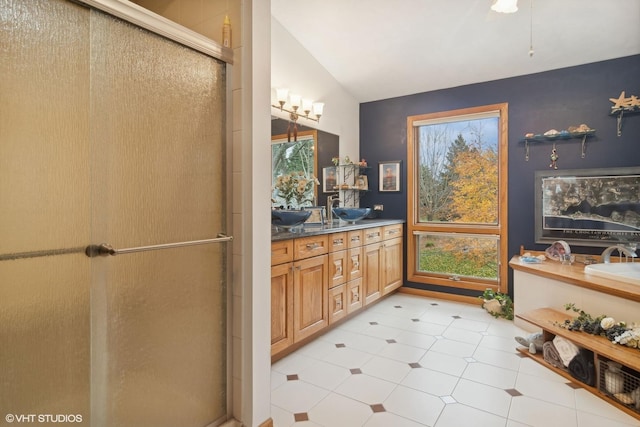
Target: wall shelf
[[349, 189], [560, 137]]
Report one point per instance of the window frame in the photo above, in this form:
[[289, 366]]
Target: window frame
[[414, 227]]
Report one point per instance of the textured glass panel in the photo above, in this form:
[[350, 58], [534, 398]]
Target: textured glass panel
[[44, 206], [159, 317], [461, 255]]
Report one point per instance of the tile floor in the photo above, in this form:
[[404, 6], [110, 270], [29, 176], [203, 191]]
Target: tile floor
[[410, 361]]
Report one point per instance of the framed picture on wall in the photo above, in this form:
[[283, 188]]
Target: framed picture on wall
[[329, 179], [389, 174], [589, 207]]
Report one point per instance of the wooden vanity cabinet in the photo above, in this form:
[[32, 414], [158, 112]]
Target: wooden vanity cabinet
[[299, 284], [281, 295], [318, 280]]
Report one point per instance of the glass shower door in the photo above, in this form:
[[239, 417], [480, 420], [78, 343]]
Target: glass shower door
[[158, 177], [109, 134]]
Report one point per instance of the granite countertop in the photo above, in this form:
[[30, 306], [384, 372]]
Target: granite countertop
[[336, 227]]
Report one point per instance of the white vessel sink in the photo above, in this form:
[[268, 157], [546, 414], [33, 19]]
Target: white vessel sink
[[628, 272]]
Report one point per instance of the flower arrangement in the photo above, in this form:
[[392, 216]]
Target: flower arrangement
[[614, 331], [295, 186]]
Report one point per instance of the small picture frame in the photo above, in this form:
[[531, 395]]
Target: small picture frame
[[317, 215], [389, 175], [362, 182], [329, 179]]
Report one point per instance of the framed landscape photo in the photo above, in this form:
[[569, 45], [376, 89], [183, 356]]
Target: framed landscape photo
[[389, 174], [589, 207], [317, 215]]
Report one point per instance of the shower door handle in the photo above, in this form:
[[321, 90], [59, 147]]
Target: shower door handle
[[105, 249]]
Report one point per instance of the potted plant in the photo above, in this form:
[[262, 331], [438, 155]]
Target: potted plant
[[497, 304]]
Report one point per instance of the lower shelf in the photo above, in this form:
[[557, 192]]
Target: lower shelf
[[604, 352], [629, 409]]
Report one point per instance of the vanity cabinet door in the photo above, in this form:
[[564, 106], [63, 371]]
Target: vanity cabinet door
[[391, 265], [310, 291], [371, 267], [281, 307]]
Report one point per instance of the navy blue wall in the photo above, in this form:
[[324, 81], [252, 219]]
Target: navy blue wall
[[537, 102]]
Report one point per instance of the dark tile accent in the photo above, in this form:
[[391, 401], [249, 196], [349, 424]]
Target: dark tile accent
[[415, 365], [397, 306], [391, 341], [301, 416], [340, 345], [574, 385], [456, 317], [415, 320], [513, 392], [377, 407], [355, 371], [293, 377], [373, 323], [434, 303]]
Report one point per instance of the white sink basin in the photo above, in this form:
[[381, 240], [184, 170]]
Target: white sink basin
[[628, 272]]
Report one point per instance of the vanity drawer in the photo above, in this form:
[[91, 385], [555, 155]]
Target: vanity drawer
[[355, 238], [307, 247], [337, 268], [372, 235], [338, 242], [391, 231], [281, 252]]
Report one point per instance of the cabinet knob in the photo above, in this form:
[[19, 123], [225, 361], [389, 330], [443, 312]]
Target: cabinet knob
[[313, 246]]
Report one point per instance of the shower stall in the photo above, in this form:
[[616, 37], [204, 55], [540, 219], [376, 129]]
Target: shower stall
[[113, 214]]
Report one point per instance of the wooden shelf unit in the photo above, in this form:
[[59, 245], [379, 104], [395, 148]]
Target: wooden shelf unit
[[549, 320]]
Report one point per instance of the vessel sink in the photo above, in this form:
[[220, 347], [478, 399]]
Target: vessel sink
[[628, 272], [351, 215], [288, 218]]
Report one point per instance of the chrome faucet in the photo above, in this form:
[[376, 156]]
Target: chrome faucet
[[330, 202], [622, 250]]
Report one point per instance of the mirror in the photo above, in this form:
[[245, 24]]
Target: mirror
[[293, 170], [327, 146]]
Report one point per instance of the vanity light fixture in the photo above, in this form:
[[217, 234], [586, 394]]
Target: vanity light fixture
[[296, 102], [505, 6]]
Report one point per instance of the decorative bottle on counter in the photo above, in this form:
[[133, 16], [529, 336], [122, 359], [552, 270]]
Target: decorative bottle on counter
[[226, 32]]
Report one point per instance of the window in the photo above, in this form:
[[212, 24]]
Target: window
[[457, 201]]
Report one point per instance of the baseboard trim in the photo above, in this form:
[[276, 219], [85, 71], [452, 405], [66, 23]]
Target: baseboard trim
[[441, 295]]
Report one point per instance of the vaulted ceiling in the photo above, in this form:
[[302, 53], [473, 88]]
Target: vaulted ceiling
[[378, 49]]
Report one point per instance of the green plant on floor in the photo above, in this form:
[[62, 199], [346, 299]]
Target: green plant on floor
[[497, 304]]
